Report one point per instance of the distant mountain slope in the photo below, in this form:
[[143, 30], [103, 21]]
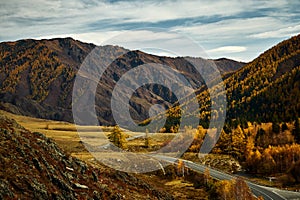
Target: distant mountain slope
[[34, 167], [265, 90], [37, 77], [226, 65]]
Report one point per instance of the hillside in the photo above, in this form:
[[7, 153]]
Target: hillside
[[264, 90], [32, 166], [268, 88], [37, 77]]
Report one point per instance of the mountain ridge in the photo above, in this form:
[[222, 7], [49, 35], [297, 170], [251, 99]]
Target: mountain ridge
[[37, 78]]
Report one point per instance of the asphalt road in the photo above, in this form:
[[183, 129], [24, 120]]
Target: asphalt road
[[267, 193]]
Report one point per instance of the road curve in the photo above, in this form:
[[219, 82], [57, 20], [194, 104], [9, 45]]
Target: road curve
[[267, 193]]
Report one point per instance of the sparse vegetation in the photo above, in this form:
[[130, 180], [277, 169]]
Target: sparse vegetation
[[39, 169], [147, 139], [118, 138]]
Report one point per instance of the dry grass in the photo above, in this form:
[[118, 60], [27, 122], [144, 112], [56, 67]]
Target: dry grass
[[179, 183], [64, 133], [69, 136], [156, 139], [179, 188]]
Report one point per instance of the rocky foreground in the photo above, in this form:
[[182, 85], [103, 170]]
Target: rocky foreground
[[32, 166]]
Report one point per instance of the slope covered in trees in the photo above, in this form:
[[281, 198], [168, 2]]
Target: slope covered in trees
[[265, 90]]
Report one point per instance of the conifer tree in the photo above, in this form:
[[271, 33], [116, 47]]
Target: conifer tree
[[118, 138], [147, 139], [296, 131]]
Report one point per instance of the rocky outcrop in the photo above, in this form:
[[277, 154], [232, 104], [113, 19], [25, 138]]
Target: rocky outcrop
[[32, 166]]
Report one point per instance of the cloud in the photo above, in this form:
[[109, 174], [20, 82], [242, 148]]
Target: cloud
[[228, 49], [280, 33], [230, 29], [97, 38], [82, 16], [239, 32], [154, 41], [212, 24]]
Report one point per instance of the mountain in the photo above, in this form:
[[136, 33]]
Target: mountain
[[34, 167], [268, 88], [265, 90], [37, 78]]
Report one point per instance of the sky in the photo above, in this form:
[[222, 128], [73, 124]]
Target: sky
[[239, 30]]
